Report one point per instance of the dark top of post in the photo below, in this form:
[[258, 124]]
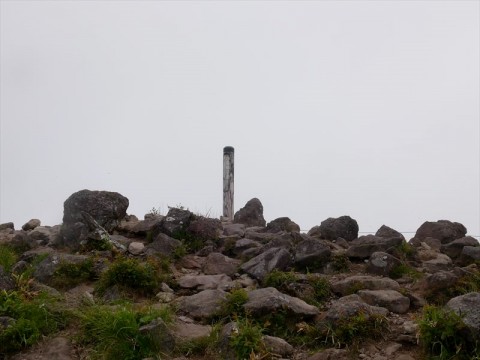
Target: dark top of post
[[228, 150]]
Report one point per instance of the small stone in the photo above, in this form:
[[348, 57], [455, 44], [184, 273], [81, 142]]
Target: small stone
[[135, 248]]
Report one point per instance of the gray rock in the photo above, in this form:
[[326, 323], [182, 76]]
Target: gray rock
[[363, 282], [439, 263], [277, 346], [454, 248], [251, 214], [31, 224], [261, 265], [267, 300], [469, 255], [217, 263], [46, 269], [388, 232], [163, 245], [175, 223], [245, 244], [344, 227], [57, 348], [184, 329], [340, 311], [203, 305], [468, 307], [160, 334], [204, 282], [331, 354], [311, 252], [365, 246], [21, 242], [439, 281], [136, 248], [106, 208], [44, 235], [382, 263], [389, 299], [234, 229], [282, 224], [135, 227], [443, 230], [7, 226]]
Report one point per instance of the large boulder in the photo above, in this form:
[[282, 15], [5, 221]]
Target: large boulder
[[31, 224], [203, 305], [269, 300], [468, 307], [162, 245], [217, 263], [343, 227], [388, 232], [469, 255], [311, 252], [389, 299], [261, 265], [251, 214], [454, 248], [105, 207], [175, 223], [443, 230], [282, 224], [365, 246]]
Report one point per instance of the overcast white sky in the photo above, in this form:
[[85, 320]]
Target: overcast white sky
[[360, 108]]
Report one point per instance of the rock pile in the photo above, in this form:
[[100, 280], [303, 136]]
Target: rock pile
[[374, 275]]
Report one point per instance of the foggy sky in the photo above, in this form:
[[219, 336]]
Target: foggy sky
[[362, 108]]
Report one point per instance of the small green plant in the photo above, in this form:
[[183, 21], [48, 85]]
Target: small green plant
[[113, 332], [321, 289], [8, 258], [180, 251], [405, 251], [32, 319], [469, 282], [130, 274], [354, 329], [246, 341], [279, 279], [232, 307], [104, 244], [444, 335], [69, 275], [340, 262], [403, 269]]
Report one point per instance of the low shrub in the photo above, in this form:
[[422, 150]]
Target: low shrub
[[279, 279], [232, 307], [353, 330], [32, 319], [69, 275], [130, 275], [469, 282], [247, 341], [8, 257], [445, 336], [113, 332]]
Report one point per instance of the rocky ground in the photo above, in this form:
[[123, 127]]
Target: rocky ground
[[327, 294]]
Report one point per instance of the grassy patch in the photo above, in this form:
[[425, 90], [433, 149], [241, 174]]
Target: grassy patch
[[469, 282], [402, 270], [353, 330], [246, 342], [8, 257], [113, 332], [340, 263], [130, 275], [443, 335], [69, 275], [32, 319]]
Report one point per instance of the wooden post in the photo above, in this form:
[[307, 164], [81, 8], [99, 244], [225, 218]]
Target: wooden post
[[228, 165]]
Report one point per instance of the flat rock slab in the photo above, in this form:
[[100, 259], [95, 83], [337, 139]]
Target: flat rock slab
[[185, 329], [352, 284], [389, 299], [217, 263], [267, 300], [261, 265], [468, 306], [58, 348], [203, 305], [205, 282]]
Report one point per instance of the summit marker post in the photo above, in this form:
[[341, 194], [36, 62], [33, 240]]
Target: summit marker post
[[228, 167]]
